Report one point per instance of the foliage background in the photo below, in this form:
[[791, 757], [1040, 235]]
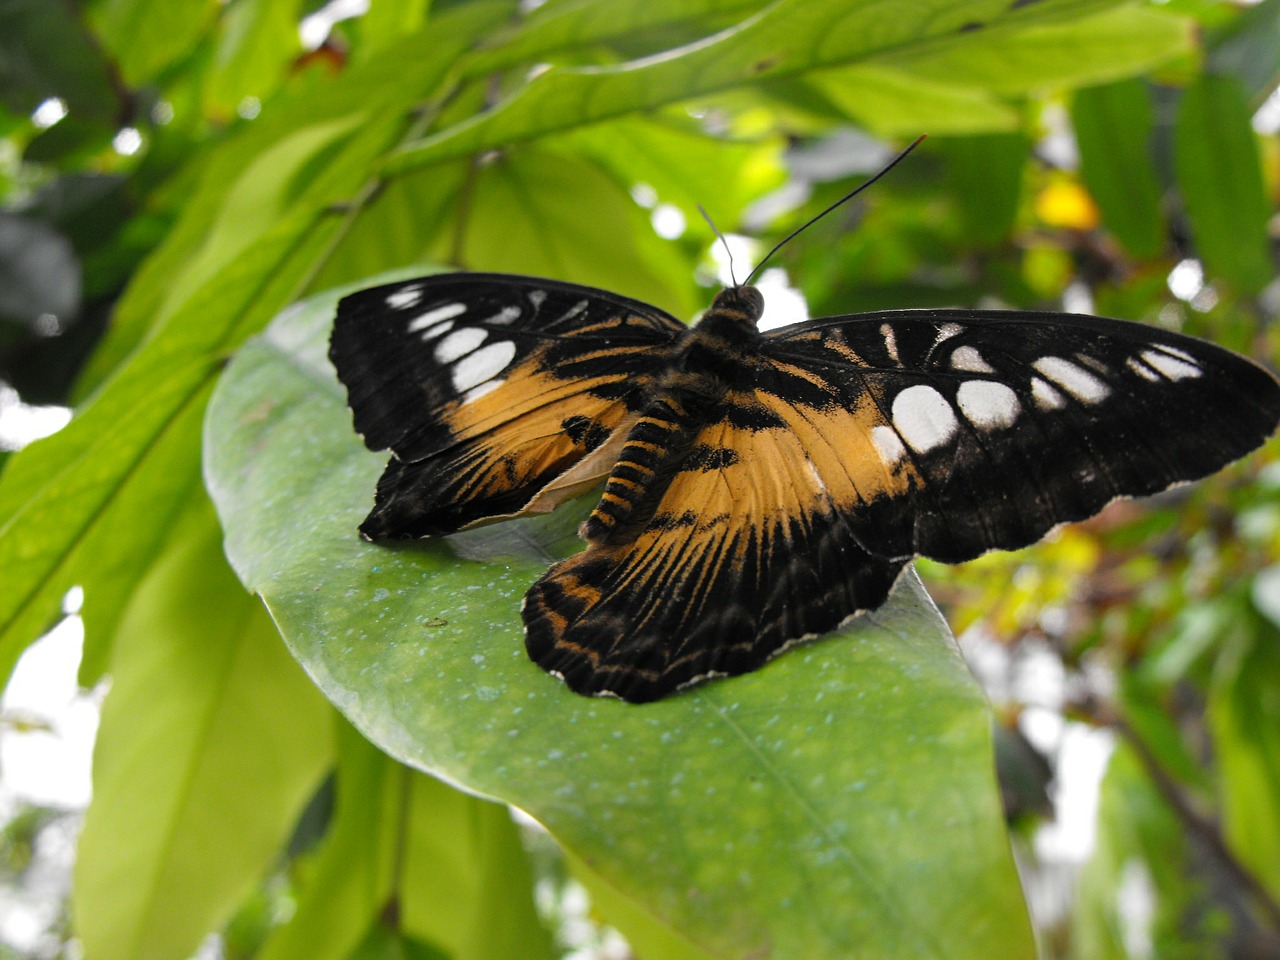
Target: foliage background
[[211, 169]]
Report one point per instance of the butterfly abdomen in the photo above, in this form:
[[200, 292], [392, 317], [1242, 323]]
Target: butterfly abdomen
[[663, 427]]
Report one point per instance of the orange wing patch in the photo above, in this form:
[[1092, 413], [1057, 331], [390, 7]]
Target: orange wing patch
[[523, 446], [743, 554]]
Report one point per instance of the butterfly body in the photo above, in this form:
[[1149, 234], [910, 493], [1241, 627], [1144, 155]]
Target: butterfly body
[[761, 488]]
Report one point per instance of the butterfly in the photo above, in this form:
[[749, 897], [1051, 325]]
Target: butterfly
[[760, 488]]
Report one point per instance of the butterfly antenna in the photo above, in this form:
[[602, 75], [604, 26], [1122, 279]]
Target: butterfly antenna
[[716, 230], [846, 198]]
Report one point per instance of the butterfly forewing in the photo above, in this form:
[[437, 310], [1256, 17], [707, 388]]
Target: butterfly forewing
[[488, 388], [999, 425]]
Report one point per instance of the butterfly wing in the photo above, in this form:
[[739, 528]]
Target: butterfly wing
[[739, 556], [497, 395], [846, 446], [1000, 425]]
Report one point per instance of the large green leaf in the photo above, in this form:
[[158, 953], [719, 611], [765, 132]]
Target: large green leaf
[[1114, 125], [211, 742], [1220, 179], [838, 802], [932, 39], [554, 27]]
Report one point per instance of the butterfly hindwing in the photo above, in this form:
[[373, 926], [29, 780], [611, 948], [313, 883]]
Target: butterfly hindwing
[[738, 556], [1001, 425], [489, 388]]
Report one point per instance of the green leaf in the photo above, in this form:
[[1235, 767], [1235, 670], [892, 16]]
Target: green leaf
[[555, 27], [647, 936], [259, 41], [384, 24], [1009, 58], [210, 744], [1220, 178], [348, 884], [785, 38], [985, 174], [46, 52], [682, 164], [1114, 127], [800, 809], [146, 36], [454, 865], [1244, 716], [467, 886], [894, 102], [554, 214]]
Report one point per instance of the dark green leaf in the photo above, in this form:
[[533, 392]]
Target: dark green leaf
[[985, 175], [1220, 178], [451, 867], [146, 36], [1114, 125], [1244, 716], [785, 38], [46, 52], [211, 742]]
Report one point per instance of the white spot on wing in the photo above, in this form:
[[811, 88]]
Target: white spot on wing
[[970, 360], [504, 316], [890, 341], [923, 417], [439, 330], [403, 298], [537, 298], [1075, 380], [573, 311], [458, 343], [485, 364], [475, 393], [1172, 367], [1045, 396], [435, 315], [1177, 352], [947, 331], [988, 404], [1142, 370], [888, 444]]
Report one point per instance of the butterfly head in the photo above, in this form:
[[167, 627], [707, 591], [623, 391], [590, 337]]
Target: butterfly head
[[738, 305]]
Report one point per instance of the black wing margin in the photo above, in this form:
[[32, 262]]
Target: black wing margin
[[487, 389], [1000, 425]]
